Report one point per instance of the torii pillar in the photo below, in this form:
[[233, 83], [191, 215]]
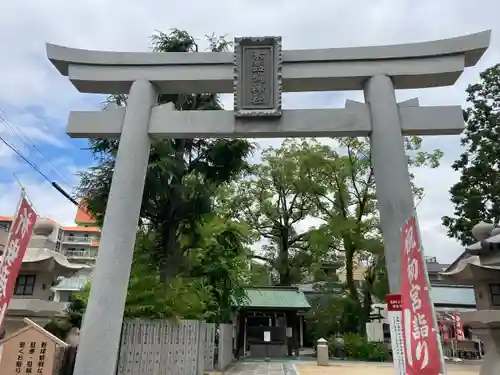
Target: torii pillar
[[378, 71]]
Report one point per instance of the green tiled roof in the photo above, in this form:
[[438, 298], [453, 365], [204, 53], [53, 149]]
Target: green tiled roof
[[71, 284], [273, 298]]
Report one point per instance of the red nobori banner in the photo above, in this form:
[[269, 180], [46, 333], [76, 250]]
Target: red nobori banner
[[459, 328], [422, 352], [17, 243]]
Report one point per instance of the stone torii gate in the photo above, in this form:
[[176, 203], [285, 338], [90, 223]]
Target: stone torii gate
[[256, 73]]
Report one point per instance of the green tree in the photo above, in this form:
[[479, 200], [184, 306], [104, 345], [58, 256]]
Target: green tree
[[260, 274], [221, 261], [183, 174], [476, 196], [272, 201], [216, 279], [344, 198]]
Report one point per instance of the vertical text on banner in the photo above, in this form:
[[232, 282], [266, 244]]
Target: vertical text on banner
[[459, 327], [395, 316], [421, 339]]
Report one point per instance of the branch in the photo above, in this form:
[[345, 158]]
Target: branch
[[353, 175], [363, 202], [299, 237], [267, 260]]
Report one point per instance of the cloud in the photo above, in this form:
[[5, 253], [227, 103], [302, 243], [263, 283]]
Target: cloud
[[46, 202], [37, 99], [434, 205]]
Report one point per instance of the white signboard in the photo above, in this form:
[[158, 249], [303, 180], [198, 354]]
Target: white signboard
[[267, 336], [374, 332], [395, 316]]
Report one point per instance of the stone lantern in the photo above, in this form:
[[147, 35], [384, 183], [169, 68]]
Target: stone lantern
[[479, 266]]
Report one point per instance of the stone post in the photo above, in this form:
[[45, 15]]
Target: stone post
[[100, 335], [322, 352], [491, 340], [390, 166]]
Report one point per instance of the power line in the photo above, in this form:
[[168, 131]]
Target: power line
[[8, 124], [24, 158], [32, 165]]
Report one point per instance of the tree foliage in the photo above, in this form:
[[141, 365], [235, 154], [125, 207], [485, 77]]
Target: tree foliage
[[190, 259], [272, 201], [476, 196], [345, 199], [183, 174], [333, 185], [217, 278]]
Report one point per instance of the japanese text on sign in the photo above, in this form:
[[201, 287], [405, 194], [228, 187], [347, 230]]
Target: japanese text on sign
[[29, 360], [420, 336], [257, 77], [258, 87], [394, 306]]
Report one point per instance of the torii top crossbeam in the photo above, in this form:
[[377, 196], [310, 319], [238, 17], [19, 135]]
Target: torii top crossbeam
[[411, 66]]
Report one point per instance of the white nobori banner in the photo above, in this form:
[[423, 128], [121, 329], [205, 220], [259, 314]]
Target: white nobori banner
[[395, 317]]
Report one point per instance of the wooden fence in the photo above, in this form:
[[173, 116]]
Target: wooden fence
[[160, 347]]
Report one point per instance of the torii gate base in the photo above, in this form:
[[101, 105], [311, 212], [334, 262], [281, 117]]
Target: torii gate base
[[376, 70]]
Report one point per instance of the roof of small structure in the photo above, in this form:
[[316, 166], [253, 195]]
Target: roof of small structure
[[35, 255], [448, 296], [436, 267], [71, 284], [275, 298], [482, 246], [472, 271], [468, 268], [32, 325], [486, 234]]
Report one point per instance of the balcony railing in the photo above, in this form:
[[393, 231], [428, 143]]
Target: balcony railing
[[74, 239], [90, 253]]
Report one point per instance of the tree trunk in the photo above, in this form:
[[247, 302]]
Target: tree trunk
[[349, 271], [172, 259], [365, 312], [284, 260]]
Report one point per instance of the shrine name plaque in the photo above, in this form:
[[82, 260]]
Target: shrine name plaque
[[257, 77]]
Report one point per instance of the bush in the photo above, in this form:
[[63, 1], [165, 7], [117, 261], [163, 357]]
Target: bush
[[355, 346]]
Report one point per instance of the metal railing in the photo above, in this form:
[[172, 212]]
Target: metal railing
[[78, 239], [90, 253]]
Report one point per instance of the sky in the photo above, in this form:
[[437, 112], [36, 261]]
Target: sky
[[35, 99]]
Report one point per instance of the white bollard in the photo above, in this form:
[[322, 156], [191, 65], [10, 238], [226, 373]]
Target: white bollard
[[322, 352]]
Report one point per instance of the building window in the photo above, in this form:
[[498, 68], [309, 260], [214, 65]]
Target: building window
[[25, 284], [495, 294]]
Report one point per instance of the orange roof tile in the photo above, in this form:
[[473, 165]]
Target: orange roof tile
[[82, 215], [5, 218], [82, 229]]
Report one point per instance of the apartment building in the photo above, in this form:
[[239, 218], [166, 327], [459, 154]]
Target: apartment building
[[57, 263], [79, 243]]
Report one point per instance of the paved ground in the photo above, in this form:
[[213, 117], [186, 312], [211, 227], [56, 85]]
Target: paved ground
[[263, 368], [341, 368], [373, 369]]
